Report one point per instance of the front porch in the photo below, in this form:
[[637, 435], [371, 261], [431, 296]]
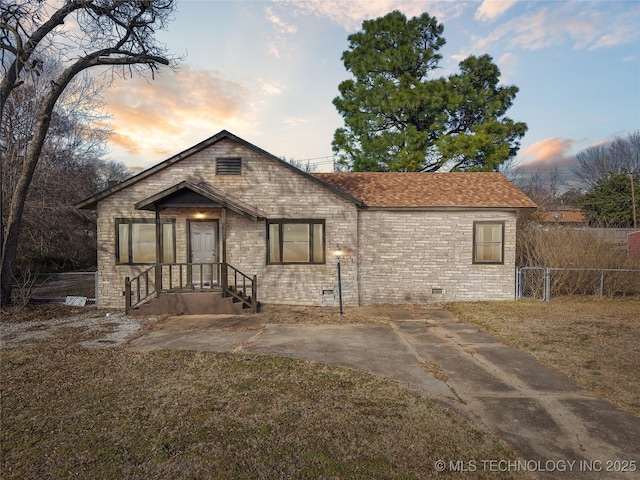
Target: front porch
[[206, 270], [191, 288]]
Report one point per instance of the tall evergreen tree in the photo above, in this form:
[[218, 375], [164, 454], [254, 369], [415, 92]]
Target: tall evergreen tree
[[400, 117]]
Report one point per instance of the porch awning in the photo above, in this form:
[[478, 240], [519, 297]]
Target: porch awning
[[189, 195]]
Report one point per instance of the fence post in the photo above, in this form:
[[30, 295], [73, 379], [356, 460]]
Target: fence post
[[518, 280], [547, 284]]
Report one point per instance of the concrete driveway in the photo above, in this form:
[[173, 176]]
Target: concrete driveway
[[560, 429]]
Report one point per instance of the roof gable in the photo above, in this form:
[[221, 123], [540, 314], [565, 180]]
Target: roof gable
[[430, 190], [91, 202], [185, 194]]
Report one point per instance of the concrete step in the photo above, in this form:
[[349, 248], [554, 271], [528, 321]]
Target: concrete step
[[190, 303]]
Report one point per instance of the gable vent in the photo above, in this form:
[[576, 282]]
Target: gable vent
[[228, 166]]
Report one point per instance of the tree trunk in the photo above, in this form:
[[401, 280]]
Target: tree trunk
[[19, 196], [129, 30]]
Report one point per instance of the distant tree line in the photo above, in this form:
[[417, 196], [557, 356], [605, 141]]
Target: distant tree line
[[50, 149], [54, 235], [606, 183]]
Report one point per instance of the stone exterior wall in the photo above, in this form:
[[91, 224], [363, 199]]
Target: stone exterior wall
[[265, 184], [405, 255], [388, 256]]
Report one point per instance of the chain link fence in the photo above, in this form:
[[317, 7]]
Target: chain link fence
[[545, 283]]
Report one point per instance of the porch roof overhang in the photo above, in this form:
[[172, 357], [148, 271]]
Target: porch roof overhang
[[189, 195]]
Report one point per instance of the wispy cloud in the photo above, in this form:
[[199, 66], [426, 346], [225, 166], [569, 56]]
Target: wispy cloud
[[281, 25], [587, 28], [507, 63], [269, 87], [173, 106], [350, 14], [489, 10], [294, 122], [620, 33]]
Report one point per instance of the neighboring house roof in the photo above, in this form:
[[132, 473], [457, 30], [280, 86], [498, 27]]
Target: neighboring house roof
[[562, 215], [411, 190]]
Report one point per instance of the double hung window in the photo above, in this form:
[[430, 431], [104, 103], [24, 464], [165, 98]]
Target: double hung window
[[136, 240], [295, 241], [488, 242]]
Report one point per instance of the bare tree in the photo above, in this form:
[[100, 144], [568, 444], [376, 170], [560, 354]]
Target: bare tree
[[307, 167], [54, 234], [117, 34], [542, 187], [596, 163], [66, 172]]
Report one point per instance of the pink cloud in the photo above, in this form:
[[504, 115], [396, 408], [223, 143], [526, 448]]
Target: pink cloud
[[147, 114], [550, 149]]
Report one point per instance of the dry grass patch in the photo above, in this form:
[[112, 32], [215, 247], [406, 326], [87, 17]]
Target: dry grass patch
[[595, 342], [39, 311], [370, 314], [69, 411]]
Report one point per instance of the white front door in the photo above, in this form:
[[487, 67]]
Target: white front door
[[204, 253]]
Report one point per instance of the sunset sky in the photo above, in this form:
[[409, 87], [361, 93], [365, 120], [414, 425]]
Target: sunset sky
[[268, 72]]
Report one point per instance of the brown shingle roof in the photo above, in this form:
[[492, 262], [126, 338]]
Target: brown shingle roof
[[407, 189], [562, 216]]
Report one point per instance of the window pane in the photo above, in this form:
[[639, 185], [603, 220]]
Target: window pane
[[168, 247], [295, 242], [123, 243], [488, 243], [318, 242], [488, 252], [274, 243], [143, 240], [295, 252], [488, 233], [295, 232]]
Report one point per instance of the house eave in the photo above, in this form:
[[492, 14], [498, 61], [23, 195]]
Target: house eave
[[447, 208], [212, 197]]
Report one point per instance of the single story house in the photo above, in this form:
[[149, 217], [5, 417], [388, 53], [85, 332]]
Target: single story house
[[563, 216], [227, 213]]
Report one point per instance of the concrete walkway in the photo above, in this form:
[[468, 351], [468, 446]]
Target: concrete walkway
[[560, 429]]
